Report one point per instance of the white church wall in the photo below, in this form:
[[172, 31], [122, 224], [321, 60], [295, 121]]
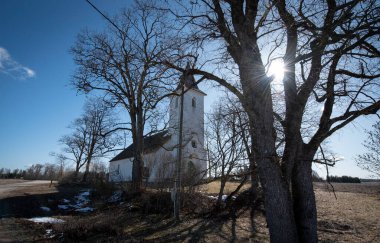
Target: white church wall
[[120, 170], [160, 164]]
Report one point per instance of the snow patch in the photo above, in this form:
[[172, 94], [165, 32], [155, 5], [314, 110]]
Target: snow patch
[[224, 197], [63, 207], [116, 197], [79, 203], [49, 220], [46, 209], [85, 210], [49, 234]]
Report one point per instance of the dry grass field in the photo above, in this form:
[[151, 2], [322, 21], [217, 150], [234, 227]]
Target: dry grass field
[[353, 217]]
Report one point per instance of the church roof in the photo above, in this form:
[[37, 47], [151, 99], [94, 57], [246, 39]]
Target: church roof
[[188, 80], [151, 144]]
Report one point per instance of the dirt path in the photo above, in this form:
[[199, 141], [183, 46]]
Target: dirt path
[[13, 188]]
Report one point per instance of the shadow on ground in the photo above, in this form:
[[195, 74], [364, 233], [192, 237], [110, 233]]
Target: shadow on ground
[[29, 205]]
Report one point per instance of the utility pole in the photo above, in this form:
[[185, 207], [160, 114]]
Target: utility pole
[[177, 179]]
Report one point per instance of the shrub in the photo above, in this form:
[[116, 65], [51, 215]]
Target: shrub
[[343, 179]]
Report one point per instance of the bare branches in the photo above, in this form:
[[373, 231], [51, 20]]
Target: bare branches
[[370, 160]]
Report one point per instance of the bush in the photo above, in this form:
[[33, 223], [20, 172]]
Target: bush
[[159, 202], [68, 178], [343, 179], [80, 229]]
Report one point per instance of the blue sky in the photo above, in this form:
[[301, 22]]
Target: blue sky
[[36, 101]]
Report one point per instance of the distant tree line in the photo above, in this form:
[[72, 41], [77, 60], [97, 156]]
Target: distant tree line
[[344, 179], [11, 174], [50, 171], [34, 172]]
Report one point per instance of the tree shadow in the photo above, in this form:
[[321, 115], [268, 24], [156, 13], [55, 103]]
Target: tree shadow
[[29, 205]]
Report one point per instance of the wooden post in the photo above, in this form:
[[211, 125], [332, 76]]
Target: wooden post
[[177, 179]]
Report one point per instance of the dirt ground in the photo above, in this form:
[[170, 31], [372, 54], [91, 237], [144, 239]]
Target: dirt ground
[[353, 216], [17, 187]]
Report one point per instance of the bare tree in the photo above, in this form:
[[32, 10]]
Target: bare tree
[[34, 172], [331, 56], [92, 136], [370, 160], [225, 142], [122, 63], [160, 168]]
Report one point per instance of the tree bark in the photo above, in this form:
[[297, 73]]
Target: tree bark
[[257, 102], [138, 141], [305, 209], [278, 202]]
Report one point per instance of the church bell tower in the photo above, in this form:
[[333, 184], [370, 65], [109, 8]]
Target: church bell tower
[[193, 121]]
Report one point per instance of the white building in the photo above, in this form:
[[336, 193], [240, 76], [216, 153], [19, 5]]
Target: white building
[[161, 149]]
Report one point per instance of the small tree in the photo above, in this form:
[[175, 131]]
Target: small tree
[[370, 161], [92, 136], [225, 144]]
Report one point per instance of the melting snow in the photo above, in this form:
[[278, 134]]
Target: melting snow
[[46, 209], [116, 196], [79, 203], [46, 220], [49, 234], [64, 207], [224, 197], [85, 210]]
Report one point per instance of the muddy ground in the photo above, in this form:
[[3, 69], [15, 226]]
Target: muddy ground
[[353, 216]]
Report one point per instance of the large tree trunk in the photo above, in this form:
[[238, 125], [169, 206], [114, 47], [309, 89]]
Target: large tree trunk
[[138, 162], [257, 102], [277, 199], [304, 199], [87, 171]]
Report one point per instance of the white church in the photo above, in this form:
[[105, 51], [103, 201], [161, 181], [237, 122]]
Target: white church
[[161, 149]]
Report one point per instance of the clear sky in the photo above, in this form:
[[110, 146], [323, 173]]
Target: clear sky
[[36, 101]]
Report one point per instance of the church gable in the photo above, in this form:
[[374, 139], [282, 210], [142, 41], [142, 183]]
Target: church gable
[[151, 144]]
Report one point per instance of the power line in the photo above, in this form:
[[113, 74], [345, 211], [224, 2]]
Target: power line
[[104, 16]]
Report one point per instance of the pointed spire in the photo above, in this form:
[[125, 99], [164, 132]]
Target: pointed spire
[[188, 79]]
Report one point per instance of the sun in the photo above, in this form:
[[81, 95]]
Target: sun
[[277, 69]]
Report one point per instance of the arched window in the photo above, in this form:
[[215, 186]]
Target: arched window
[[194, 102], [193, 144]]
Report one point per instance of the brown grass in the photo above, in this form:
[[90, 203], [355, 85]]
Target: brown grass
[[213, 187], [352, 217]]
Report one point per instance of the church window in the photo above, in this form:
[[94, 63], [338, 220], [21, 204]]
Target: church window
[[193, 102], [176, 102], [118, 169], [193, 144]]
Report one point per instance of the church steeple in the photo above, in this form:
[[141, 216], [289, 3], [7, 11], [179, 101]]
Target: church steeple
[[188, 80], [193, 108], [192, 135]]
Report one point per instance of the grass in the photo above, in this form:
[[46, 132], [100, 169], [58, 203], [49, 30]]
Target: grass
[[352, 217], [213, 187]]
